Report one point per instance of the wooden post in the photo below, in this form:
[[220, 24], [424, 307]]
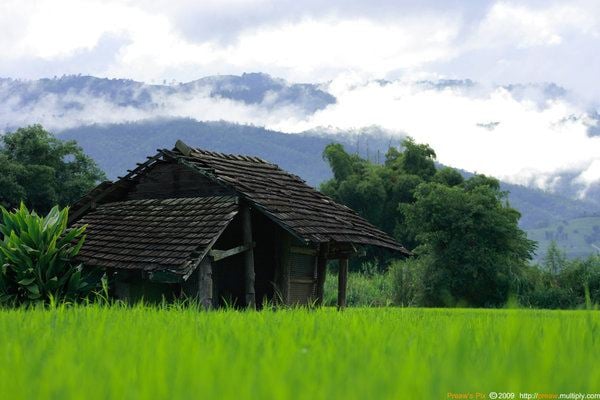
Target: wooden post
[[342, 282], [285, 268], [248, 256], [321, 272], [205, 283]]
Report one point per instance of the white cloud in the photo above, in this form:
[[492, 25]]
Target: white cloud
[[516, 25], [589, 176], [78, 108], [309, 41], [528, 145], [332, 46], [154, 46]]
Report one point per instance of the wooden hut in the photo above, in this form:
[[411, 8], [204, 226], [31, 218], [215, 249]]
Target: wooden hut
[[219, 228]]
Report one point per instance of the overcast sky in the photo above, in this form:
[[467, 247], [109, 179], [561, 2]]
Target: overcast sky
[[346, 44], [307, 40]]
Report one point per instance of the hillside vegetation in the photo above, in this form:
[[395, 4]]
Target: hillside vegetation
[[575, 237]]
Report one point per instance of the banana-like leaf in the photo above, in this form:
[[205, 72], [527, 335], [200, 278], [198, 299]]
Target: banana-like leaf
[[27, 281], [36, 256]]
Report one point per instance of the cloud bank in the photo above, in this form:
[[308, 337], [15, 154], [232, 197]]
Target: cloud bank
[[489, 41], [536, 135], [519, 134]]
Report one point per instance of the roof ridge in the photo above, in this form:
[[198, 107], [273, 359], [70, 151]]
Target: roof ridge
[[187, 200], [231, 156]]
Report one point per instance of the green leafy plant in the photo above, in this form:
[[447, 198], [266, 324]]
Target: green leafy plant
[[36, 258]]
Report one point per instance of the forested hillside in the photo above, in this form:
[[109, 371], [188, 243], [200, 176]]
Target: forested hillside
[[117, 147]]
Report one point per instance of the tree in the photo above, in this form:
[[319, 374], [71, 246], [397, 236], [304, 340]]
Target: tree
[[470, 246], [555, 259], [42, 171], [416, 159], [472, 241], [375, 191]]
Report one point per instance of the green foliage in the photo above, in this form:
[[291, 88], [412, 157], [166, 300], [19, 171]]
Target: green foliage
[[408, 281], [36, 258], [574, 284], [342, 164], [41, 171], [471, 240], [367, 288], [467, 235], [554, 260], [387, 353], [448, 176], [375, 191], [416, 159]]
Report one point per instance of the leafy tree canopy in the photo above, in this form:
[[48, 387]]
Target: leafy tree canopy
[[464, 230], [472, 241], [42, 171]]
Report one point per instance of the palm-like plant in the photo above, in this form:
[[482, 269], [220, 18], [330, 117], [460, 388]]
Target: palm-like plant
[[36, 258]]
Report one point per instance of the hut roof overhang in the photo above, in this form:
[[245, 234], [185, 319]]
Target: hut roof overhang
[[156, 234]]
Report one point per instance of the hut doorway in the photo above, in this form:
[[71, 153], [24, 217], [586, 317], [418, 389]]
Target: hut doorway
[[229, 274]]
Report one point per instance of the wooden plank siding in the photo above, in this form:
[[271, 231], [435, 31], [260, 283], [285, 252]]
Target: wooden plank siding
[[175, 181]]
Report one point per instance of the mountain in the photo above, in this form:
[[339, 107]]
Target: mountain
[[576, 237], [258, 88], [117, 147], [75, 100]]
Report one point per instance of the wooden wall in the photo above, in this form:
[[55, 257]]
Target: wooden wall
[[174, 181], [298, 281]]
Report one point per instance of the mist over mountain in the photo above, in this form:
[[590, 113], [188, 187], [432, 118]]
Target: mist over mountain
[[75, 100], [551, 137], [536, 137]]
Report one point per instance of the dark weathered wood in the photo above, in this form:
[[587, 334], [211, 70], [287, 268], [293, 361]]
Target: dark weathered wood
[[302, 280], [342, 282], [102, 191], [106, 190], [303, 250], [183, 148], [221, 254], [321, 272], [174, 181], [205, 283], [248, 256], [285, 269]]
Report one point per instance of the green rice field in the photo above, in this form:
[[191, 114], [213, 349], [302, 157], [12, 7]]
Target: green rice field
[[96, 352]]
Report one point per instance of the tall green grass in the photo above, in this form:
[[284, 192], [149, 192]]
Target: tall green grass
[[363, 290], [95, 352]]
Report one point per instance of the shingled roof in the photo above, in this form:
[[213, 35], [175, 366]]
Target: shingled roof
[[172, 234], [285, 198], [155, 235]]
